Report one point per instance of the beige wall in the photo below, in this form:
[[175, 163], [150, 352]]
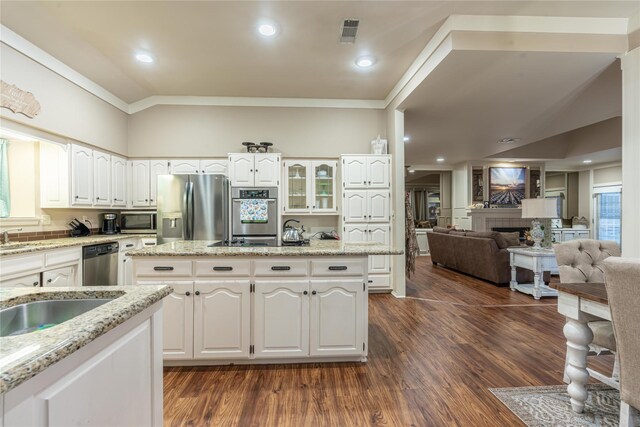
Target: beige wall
[[205, 131], [66, 109], [23, 178], [610, 175]]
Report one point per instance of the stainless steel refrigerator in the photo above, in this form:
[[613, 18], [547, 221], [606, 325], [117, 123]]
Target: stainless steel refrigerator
[[193, 207]]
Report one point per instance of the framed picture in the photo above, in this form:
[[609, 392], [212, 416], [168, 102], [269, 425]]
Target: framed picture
[[506, 186]]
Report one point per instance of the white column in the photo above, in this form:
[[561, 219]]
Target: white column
[[631, 153], [395, 133]]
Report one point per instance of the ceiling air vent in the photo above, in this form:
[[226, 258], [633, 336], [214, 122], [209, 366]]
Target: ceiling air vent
[[349, 30]]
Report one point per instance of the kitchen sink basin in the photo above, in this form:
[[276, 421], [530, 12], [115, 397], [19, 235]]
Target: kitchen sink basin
[[38, 315]]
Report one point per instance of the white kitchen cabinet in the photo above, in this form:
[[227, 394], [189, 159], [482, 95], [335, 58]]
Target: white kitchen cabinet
[[118, 181], [366, 206], [59, 277], [125, 263], [267, 170], [362, 171], [148, 241], [213, 166], [177, 328], [222, 319], [101, 178], [81, 176], [139, 172], [282, 310], [54, 175], [336, 317], [28, 281], [184, 167], [254, 169], [156, 167], [355, 233], [310, 186], [380, 233]]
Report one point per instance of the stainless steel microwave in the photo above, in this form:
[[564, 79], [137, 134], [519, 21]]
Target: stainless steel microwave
[[138, 222]]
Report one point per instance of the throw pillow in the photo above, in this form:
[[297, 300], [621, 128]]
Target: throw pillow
[[513, 239], [441, 230]]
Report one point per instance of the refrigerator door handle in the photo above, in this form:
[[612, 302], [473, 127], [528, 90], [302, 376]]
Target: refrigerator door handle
[[192, 211], [185, 211]]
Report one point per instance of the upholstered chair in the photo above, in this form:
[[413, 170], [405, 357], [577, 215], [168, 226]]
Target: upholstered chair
[[580, 261], [622, 278]]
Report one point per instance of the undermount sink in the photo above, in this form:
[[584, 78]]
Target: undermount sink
[[39, 315]]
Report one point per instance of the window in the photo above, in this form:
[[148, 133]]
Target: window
[[608, 213]]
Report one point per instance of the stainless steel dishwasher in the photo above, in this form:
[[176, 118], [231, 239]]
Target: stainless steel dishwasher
[[100, 264]]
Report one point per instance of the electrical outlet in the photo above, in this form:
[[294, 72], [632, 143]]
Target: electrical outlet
[[45, 219]]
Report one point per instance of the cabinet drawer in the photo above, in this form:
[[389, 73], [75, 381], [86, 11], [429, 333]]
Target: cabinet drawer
[[63, 256], [379, 282], [20, 263], [337, 267], [32, 280], [128, 245], [280, 267], [161, 268], [225, 267]]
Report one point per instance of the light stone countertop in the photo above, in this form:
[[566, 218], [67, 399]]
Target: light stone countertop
[[43, 245], [201, 248], [24, 356]]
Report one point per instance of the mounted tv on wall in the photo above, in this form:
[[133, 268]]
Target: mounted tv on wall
[[506, 186]]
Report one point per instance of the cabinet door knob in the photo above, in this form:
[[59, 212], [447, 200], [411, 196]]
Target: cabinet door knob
[[35, 283], [49, 281], [313, 292], [76, 197], [187, 293], [256, 170], [305, 293], [152, 200], [197, 292], [146, 200]]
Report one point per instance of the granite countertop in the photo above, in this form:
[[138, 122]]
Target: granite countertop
[[17, 248], [196, 248], [24, 356]]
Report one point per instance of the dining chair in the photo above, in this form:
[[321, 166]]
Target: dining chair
[[580, 261], [622, 280]]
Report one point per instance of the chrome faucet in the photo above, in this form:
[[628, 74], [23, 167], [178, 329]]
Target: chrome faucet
[[6, 234]]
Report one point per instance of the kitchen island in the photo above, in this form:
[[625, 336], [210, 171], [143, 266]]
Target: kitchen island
[[102, 366], [241, 305]]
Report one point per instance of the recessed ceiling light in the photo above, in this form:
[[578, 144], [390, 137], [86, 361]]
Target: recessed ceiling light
[[407, 139], [144, 57], [268, 30], [440, 159], [508, 140], [365, 61], [586, 162]]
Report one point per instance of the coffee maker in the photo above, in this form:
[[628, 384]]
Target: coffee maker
[[109, 223]]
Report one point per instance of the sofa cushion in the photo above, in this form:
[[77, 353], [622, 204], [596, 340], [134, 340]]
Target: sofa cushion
[[498, 237], [513, 239], [458, 233], [443, 230]]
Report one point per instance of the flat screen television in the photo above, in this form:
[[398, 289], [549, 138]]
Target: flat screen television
[[506, 186]]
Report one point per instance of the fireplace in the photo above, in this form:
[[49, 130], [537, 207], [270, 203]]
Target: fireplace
[[520, 230]]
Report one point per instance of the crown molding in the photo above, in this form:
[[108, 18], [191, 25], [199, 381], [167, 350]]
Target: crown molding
[[32, 51], [223, 101]]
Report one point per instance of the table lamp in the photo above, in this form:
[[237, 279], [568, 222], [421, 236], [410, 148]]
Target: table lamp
[[537, 209]]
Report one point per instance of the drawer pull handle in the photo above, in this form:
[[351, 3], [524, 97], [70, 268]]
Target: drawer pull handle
[[337, 267], [129, 245], [222, 268], [163, 268], [149, 244], [369, 281], [281, 268]]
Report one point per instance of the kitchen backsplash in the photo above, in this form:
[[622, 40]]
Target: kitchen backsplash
[[43, 235]]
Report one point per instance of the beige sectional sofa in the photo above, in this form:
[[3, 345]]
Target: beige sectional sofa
[[480, 254]]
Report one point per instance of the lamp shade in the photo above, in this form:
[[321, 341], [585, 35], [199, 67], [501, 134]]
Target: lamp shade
[[539, 208]]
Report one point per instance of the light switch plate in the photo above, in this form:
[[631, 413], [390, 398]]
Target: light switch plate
[[45, 219]]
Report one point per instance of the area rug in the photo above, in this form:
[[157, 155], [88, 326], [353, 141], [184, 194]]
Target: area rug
[[550, 406]]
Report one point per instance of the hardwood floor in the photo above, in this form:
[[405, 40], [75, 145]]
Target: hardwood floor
[[432, 358]]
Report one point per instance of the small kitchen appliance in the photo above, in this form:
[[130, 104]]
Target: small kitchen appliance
[[292, 236], [138, 222], [109, 224]]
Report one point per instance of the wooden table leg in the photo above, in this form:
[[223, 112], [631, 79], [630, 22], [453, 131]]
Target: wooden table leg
[[579, 337]]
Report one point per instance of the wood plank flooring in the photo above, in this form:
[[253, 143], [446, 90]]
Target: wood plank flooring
[[432, 358]]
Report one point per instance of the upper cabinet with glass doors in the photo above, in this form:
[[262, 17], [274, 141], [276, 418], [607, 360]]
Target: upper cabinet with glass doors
[[310, 186]]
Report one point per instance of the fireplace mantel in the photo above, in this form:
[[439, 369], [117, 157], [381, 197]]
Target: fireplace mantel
[[486, 219]]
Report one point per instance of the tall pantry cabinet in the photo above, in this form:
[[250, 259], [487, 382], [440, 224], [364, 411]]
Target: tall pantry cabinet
[[366, 210]]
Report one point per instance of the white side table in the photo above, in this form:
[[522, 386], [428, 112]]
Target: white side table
[[538, 261]]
